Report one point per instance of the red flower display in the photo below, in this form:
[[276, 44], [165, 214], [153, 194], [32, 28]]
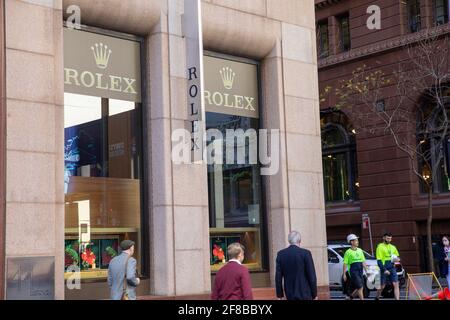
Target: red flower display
[[218, 252], [88, 256]]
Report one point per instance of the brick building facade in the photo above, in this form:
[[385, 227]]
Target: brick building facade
[[380, 181]]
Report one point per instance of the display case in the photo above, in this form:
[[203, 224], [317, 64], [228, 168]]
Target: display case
[[92, 258], [221, 238], [100, 213]]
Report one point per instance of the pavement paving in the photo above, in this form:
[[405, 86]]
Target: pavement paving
[[337, 295]]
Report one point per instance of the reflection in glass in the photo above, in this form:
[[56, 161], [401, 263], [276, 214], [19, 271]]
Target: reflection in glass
[[234, 195], [335, 177], [102, 180], [340, 170]]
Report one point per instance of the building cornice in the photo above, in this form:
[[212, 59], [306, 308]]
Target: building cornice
[[382, 46]]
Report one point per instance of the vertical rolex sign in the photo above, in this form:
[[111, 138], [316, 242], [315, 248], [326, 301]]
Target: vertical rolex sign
[[101, 66]]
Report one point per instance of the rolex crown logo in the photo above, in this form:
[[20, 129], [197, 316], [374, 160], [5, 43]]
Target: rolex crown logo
[[101, 55], [227, 77]]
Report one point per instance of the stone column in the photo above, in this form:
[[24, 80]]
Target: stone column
[[290, 81], [180, 225], [35, 133]]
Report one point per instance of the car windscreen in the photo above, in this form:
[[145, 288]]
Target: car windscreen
[[341, 252]]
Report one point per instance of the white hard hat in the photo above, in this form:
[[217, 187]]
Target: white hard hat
[[351, 237]]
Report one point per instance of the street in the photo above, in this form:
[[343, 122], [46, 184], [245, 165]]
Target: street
[[337, 294]]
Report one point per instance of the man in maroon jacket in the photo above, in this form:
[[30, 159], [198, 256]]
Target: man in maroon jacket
[[233, 279]]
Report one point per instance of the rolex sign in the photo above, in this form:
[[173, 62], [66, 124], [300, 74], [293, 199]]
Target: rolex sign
[[231, 87], [101, 66]]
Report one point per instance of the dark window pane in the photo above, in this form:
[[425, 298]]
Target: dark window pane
[[335, 177], [414, 16], [332, 136], [442, 11], [340, 172], [355, 181], [323, 42], [344, 32], [444, 185]]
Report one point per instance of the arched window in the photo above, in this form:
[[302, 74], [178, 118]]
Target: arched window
[[340, 174], [433, 141]]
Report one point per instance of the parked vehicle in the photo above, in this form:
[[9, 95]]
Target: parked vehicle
[[372, 279]]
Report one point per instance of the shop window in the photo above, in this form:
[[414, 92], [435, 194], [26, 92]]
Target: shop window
[[441, 11], [344, 32], [339, 161], [414, 15], [103, 151], [322, 38], [234, 189]]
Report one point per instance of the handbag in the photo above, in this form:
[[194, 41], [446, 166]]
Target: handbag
[[124, 293]]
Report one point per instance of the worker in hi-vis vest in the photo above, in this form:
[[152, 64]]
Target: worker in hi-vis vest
[[387, 254], [355, 262]]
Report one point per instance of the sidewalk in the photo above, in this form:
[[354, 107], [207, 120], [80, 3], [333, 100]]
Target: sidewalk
[[258, 294]]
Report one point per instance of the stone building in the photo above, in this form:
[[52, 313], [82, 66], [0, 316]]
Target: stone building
[[379, 179], [87, 117]]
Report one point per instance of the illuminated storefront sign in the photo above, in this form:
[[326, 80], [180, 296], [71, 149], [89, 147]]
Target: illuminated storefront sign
[[94, 66], [231, 87]]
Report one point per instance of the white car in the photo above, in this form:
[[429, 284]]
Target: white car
[[336, 263]]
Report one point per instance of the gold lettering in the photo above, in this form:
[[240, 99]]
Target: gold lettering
[[116, 83], [99, 82], [71, 74], [226, 95], [91, 78], [215, 95], [208, 96], [239, 102], [225, 100], [249, 101], [130, 85]]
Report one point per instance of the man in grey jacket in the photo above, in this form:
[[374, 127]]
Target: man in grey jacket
[[120, 268]]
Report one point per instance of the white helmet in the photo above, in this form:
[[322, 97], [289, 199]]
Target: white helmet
[[351, 237]]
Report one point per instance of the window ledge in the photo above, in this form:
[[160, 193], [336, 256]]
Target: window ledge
[[382, 46], [341, 207], [438, 199]]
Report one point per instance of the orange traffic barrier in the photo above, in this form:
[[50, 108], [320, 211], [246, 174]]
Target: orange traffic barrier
[[441, 295]]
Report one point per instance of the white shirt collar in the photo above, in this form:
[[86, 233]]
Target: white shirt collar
[[235, 260]]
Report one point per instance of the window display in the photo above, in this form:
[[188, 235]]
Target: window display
[[102, 182], [235, 208], [103, 151]]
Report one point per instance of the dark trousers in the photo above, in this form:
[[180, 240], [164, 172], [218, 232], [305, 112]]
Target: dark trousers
[[347, 287]]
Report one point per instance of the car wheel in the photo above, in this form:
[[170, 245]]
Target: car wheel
[[402, 282]]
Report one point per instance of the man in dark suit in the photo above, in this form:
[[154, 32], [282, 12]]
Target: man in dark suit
[[296, 267], [233, 279]]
